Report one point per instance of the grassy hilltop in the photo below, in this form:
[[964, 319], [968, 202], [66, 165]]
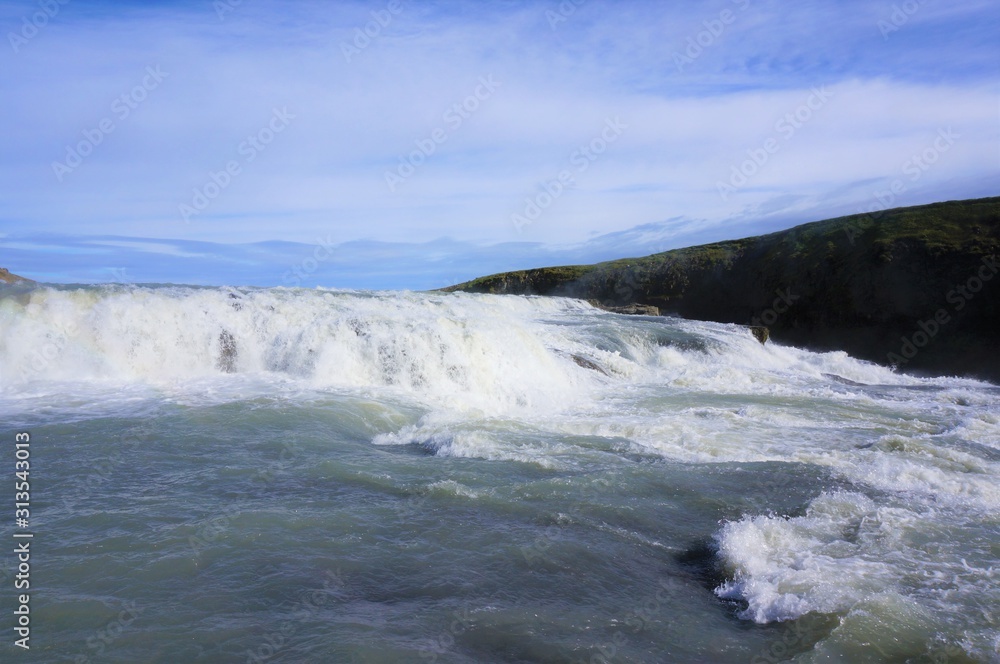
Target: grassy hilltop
[[916, 287]]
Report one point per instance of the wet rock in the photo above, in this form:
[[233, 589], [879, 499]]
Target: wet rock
[[844, 381], [587, 364], [227, 352], [630, 309], [760, 333]]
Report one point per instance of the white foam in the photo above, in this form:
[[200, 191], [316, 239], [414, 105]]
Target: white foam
[[785, 568], [536, 380], [903, 567], [453, 488], [461, 351], [465, 441]]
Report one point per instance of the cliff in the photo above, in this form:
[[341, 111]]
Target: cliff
[[8, 278], [911, 287]]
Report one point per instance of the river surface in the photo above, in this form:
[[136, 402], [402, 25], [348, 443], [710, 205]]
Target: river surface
[[283, 475]]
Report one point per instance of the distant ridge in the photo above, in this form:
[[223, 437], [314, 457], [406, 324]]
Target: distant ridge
[[8, 278], [914, 287]]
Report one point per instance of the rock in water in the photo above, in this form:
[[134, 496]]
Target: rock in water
[[587, 364], [227, 354], [761, 333], [845, 381], [583, 362], [630, 309]]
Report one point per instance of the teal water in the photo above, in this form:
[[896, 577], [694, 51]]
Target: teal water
[[403, 477]]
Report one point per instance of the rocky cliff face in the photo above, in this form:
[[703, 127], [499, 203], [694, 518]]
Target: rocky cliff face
[[914, 287], [8, 278]]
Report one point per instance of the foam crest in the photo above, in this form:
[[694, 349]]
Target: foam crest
[[915, 569], [464, 351], [785, 568], [453, 442]]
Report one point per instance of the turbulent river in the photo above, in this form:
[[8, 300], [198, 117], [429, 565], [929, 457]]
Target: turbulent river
[[284, 475]]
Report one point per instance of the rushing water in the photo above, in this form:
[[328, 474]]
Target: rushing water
[[232, 475]]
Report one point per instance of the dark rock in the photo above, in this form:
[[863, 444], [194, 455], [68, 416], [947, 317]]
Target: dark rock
[[844, 381], [760, 333], [227, 352], [587, 364], [630, 309], [583, 362]]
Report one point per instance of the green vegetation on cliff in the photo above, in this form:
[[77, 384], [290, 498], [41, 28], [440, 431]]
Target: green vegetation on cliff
[[915, 287]]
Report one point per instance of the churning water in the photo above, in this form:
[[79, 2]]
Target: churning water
[[273, 475]]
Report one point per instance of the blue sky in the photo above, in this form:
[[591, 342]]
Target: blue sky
[[278, 143]]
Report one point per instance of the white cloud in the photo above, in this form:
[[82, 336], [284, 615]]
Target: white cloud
[[146, 246], [325, 172]]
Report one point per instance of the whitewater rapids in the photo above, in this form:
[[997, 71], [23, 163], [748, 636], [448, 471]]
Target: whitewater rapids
[[840, 490]]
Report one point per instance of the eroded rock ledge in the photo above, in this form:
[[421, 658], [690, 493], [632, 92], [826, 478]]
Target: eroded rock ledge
[[630, 309], [9, 278]]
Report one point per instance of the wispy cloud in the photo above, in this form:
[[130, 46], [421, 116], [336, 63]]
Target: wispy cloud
[[690, 121]]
